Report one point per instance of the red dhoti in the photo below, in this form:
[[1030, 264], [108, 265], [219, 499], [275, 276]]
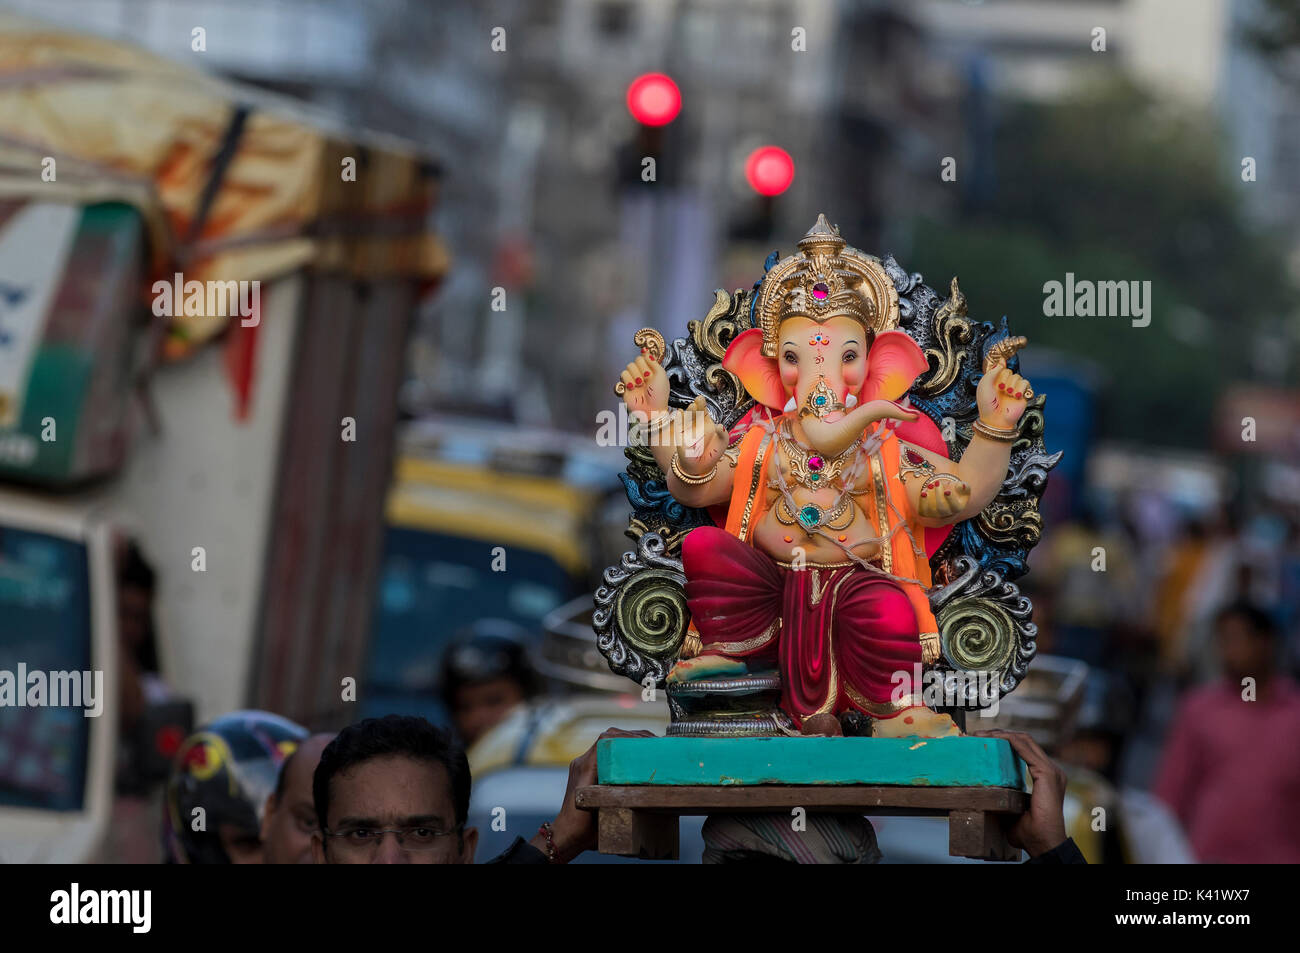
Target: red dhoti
[[837, 634]]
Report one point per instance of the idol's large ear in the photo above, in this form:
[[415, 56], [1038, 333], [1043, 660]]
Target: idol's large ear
[[759, 375], [893, 363]]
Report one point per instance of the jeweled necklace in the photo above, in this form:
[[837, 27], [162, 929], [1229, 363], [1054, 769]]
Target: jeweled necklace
[[814, 472], [808, 467]]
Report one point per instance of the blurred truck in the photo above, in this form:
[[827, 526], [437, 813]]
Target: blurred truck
[[246, 450]]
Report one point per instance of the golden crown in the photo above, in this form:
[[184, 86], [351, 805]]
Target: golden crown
[[826, 279]]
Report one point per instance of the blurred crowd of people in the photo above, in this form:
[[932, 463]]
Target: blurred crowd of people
[[1190, 626], [252, 787], [247, 786]]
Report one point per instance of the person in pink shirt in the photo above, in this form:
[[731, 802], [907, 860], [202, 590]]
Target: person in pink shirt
[[1231, 765]]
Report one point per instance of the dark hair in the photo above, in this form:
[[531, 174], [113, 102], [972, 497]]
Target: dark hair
[[404, 735], [284, 769], [135, 571], [487, 650], [1262, 625]]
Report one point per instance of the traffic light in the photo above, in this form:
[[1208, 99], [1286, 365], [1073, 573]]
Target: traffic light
[[769, 170], [653, 99]]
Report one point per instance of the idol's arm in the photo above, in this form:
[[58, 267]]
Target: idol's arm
[[687, 444], [689, 447], [983, 467], [949, 491]]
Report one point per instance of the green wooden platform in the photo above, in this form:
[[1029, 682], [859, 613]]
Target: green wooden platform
[[647, 784], [965, 762]]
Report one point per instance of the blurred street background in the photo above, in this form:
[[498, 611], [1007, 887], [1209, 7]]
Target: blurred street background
[[513, 164]]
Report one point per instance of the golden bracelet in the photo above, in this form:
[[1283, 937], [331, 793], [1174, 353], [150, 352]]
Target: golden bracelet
[[656, 425], [993, 433], [652, 430], [687, 478]]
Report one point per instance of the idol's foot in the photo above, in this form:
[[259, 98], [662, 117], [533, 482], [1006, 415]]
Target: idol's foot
[[824, 724], [705, 666], [918, 722]]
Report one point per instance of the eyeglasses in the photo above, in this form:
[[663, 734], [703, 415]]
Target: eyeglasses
[[366, 839]]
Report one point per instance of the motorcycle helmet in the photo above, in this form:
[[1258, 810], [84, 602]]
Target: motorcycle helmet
[[228, 769]]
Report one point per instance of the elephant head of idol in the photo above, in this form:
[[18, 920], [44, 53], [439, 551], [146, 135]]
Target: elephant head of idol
[[827, 342]]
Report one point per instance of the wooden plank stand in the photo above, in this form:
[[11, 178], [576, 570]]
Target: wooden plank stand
[[646, 784]]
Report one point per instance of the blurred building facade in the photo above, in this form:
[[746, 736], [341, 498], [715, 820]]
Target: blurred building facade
[[542, 193], [1196, 56]]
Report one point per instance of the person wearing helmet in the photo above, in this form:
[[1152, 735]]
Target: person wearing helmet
[[220, 781], [486, 672]]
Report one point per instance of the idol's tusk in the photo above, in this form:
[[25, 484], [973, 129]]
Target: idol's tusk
[[850, 401]]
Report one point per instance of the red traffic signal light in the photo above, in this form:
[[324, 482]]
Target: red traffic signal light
[[769, 170], [654, 99]]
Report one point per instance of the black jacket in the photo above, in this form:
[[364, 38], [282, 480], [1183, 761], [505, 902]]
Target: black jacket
[[519, 852], [1066, 852]]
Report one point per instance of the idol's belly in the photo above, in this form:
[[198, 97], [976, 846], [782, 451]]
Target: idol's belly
[[818, 525]]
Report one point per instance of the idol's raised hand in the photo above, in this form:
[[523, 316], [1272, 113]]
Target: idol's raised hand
[[1002, 393], [644, 385]]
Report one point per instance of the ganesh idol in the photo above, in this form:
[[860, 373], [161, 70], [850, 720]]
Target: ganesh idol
[[828, 486]]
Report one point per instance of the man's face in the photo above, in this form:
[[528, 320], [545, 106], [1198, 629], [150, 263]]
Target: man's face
[[290, 820], [1242, 651], [388, 793], [479, 708]]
